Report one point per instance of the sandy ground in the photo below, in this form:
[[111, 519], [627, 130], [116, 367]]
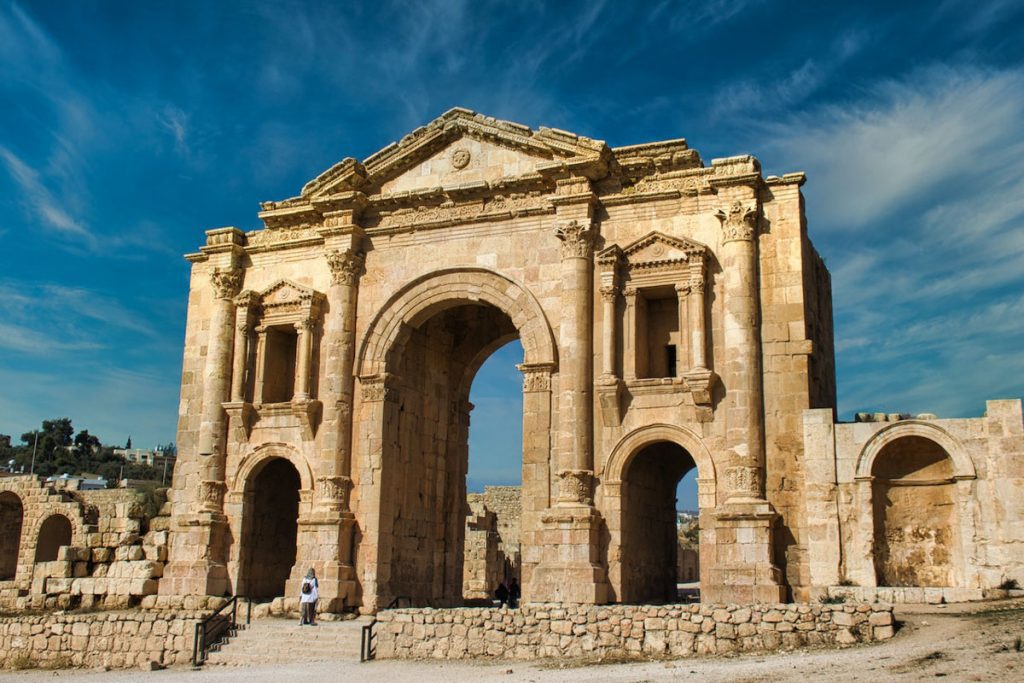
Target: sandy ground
[[958, 643]]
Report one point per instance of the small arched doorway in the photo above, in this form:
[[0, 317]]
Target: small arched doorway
[[270, 529], [54, 533], [650, 523], [914, 510], [12, 514]]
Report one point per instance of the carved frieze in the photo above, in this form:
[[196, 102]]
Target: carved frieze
[[278, 236], [346, 266], [577, 239], [739, 222]]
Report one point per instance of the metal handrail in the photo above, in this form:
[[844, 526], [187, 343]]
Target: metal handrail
[[367, 642], [213, 629]]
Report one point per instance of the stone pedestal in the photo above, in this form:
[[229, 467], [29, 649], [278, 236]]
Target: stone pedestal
[[325, 544], [570, 570], [196, 557], [743, 571]]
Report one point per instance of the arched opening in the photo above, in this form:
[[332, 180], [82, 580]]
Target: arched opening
[[915, 523], [426, 449], [269, 530], [12, 514], [493, 479], [688, 537], [651, 523], [53, 534]]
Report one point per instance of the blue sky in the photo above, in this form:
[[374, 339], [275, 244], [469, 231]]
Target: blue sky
[[128, 128]]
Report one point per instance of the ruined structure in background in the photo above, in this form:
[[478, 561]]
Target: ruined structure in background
[[64, 548], [491, 553], [673, 315]]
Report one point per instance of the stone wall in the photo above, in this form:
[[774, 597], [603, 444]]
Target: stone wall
[[112, 639], [548, 631]]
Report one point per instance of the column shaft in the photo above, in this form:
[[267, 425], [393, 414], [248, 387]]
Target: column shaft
[[608, 295], [216, 371], [303, 347]]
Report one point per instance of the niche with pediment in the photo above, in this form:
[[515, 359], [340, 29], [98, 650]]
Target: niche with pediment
[[664, 322], [275, 345]]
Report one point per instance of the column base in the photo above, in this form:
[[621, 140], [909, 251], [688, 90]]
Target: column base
[[569, 570], [744, 571]]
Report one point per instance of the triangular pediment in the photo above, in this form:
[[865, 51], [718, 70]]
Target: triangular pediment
[[657, 247], [459, 148], [284, 292]]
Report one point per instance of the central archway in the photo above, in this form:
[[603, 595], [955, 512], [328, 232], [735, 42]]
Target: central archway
[[417, 363]]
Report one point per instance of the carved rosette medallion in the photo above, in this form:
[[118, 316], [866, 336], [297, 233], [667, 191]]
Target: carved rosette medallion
[[739, 222], [460, 159], [577, 239], [226, 282], [743, 480], [346, 266], [334, 490], [211, 494], [574, 486]]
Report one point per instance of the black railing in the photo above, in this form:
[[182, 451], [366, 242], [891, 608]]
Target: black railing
[[217, 628], [368, 642]]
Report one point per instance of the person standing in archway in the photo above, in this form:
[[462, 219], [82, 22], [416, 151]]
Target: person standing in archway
[[307, 599]]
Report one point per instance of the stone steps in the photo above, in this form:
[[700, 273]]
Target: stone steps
[[282, 641]]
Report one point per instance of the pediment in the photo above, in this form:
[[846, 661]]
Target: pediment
[[285, 293], [459, 148], [659, 248]]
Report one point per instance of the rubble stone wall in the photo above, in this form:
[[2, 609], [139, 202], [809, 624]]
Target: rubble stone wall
[[552, 630], [112, 639]]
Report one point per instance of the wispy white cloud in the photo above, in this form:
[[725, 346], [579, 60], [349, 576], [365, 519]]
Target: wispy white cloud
[[40, 200]]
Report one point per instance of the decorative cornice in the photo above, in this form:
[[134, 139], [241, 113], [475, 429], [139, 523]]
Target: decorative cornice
[[739, 222], [577, 239], [346, 266]]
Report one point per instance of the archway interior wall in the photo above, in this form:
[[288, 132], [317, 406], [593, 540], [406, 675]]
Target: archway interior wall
[[915, 522]]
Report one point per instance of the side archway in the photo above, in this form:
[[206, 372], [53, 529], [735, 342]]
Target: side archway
[[637, 494], [963, 466], [54, 532], [12, 517]]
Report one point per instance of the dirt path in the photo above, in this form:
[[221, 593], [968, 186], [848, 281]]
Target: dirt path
[[957, 643]]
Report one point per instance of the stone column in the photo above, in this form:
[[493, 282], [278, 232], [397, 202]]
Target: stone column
[[575, 340], [629, 351], [683, 307], [570, 568], [698, 324], [242, 329], [226, 283], [609, 295], [744, 568], [742, 372], [303, 347]]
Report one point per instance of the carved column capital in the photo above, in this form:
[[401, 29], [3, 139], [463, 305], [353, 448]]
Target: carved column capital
[[536, 376], [211, 494], [346, 266], [574, 487], [334, 490], [609, 294], [377, 388], [577, 239], [743, 481], [304, 326], [226, 282], [739, 222]]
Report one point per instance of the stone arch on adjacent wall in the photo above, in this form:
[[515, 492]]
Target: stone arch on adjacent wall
[[963, 466], [54, 532], [917, 481], [12, 519], [614, 489], [430, 294], [415, 366]]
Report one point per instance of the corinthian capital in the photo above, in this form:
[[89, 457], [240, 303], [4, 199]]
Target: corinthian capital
[[346, 266], [577, 239], [226, 282], [739, 222]]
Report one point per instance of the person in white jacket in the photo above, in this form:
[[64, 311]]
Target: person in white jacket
[[308, 598]]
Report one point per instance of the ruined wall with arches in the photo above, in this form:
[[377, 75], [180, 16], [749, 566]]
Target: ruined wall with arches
[[673, 314]]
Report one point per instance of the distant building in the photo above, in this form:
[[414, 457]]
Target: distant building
[[141, 456]]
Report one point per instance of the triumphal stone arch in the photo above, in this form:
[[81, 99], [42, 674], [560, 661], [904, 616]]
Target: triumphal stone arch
[[673, 315]]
